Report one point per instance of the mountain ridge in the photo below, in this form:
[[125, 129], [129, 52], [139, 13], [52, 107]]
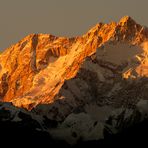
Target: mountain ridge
[[42, 53]]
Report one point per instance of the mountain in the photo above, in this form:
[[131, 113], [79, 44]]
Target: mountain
[[44, 62], [88, 85]]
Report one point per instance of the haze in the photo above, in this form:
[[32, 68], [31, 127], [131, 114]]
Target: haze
[[62, 17]]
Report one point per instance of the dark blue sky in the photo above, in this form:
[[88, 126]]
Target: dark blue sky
[[62, 17]]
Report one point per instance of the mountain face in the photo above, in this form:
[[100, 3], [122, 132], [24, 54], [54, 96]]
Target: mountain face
[[33, 70], [87, 84]]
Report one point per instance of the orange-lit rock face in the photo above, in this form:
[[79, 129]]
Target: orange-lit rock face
[[33, 70], [21, 62]]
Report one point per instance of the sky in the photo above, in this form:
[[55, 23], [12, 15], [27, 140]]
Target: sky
[[19, 18]]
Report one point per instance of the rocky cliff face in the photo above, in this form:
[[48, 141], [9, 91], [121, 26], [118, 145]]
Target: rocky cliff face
[[97, 81], [23, 61]]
